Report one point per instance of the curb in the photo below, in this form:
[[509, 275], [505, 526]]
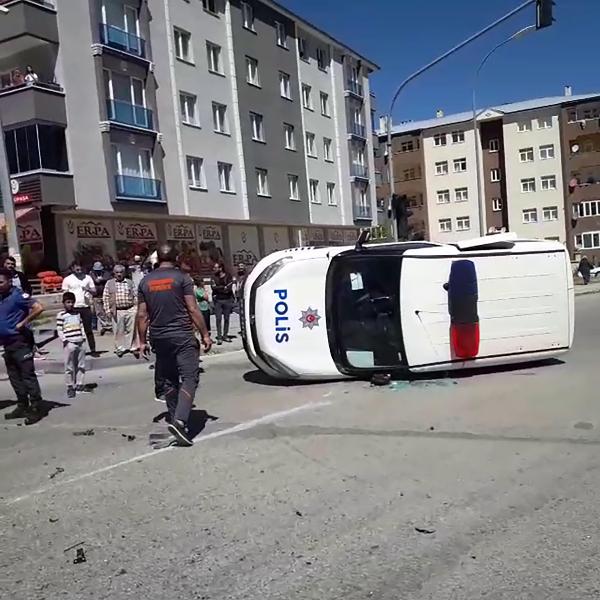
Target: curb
[[587, 292]]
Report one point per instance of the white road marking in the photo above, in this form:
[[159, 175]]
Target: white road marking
[[210, 436]]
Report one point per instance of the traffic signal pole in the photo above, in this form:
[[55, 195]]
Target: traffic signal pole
[[428, 66]]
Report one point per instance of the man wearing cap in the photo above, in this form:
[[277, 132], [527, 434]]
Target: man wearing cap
[[119, 302], [100, 275]]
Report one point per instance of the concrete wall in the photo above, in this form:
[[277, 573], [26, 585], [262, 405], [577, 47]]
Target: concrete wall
[[266, 100], [514, 140], [451, 181]]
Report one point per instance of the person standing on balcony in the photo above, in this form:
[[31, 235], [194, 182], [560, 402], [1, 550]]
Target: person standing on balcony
[[31, 77], [83, 287]]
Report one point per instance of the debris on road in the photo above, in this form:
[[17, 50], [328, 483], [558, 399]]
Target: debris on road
[[298, 513], [86, 432], [130, 437], [425, 530], [53, 519], [121, 572], [380, 379], [421, 383], [57, 471], [79, 557]]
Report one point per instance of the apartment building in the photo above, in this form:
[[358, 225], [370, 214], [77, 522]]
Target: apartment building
[[580, 142], [197, 121], [532, 158]]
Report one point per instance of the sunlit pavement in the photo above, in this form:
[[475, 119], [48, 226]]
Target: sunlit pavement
[[479, 486]]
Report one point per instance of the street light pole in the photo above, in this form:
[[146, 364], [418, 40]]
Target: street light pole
[[420, 72], [480, 198]]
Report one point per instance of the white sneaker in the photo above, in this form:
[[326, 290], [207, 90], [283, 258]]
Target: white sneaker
[[160, 400]]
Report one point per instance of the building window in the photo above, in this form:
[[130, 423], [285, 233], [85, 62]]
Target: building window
[[441, 168], [314, 191], [307, 96], [524, 126], [526, 155], [183, 45], [463, 223], [460, 165], [530, 215], [310, 145], [213, 55], [281, 34], [545, 123], [445, 225], [248, 16], [293, 187], [322, 59], [195, 173], [587, 209], [220, 117], [443, 196], [327, 154], [187, 105], [550, 213], [588, 240], [252, 71], [36, 147], [303, 48], [331, 199], [494, 175], [496, 204], [439, 139], [225, 176], [285, 88], [409, 174], [461, 194], [548, 182], [458, 137], [407, 146], [547, 151], [528, 185], [289, 136], [210, 6], [325, 104], [262, 183], [256, 122], [494, 145]]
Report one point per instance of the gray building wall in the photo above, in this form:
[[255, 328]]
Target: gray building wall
[[267, 101]]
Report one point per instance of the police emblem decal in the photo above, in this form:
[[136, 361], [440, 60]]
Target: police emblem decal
[[310, 318]]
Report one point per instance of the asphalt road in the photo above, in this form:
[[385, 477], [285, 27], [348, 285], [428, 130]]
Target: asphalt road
[[476, 487]]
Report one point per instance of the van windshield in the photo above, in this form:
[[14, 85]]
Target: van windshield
[[363, 302]]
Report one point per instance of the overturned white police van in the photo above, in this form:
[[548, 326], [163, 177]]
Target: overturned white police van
[[325, 313]]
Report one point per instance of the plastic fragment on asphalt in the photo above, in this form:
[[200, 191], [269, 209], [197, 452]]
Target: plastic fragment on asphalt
[[79, 557], [425, 530], [57, 471], [86, 432]]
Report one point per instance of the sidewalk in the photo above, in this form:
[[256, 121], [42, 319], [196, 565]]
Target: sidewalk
[[51, 349]]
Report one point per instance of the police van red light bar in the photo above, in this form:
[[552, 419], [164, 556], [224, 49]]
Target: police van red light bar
[[462, 306]]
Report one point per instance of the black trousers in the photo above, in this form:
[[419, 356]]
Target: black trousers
[[87, 320], [177, 372], [223, 310], [18, 358], [206, 315]]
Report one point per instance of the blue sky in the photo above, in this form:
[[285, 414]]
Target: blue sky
[[402, 35]]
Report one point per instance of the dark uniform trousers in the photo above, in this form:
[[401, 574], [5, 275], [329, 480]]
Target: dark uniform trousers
[[177, 372], [18, 358]]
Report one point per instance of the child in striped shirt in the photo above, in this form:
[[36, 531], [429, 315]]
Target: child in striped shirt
[[69, 328]]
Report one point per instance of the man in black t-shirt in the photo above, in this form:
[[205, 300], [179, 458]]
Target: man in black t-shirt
[[166, 303]]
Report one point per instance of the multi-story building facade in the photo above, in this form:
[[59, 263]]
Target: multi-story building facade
[[532, 158], [224, 121]]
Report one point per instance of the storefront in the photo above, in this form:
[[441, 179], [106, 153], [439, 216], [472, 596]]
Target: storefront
[[86, 240], [275, 238], [135, 237], [243, 245]]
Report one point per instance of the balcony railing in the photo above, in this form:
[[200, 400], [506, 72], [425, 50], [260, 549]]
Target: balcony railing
[[47, 3], [118, 38], [139, 188], [11, 87], [129, 114], [358, 130], [354, 87], [362, 211], [358, 170]]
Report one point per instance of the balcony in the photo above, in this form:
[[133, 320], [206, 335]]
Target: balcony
[[27, 25], [131, 115], [354, 88], [123, 41], [359, 171], [362, 212], [138, 188], [357, 130], [23, 102]]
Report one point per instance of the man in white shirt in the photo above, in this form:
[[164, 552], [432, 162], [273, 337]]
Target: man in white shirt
[[83, 287]]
